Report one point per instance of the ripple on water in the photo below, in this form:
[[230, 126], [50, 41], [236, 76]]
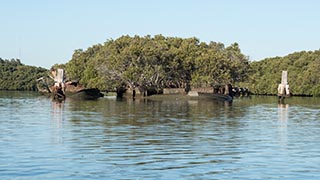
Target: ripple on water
[[111, 139]]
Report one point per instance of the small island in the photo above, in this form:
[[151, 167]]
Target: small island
[[152, 64]]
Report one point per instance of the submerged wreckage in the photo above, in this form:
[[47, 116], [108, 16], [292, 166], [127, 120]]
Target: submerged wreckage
[[60, 90]]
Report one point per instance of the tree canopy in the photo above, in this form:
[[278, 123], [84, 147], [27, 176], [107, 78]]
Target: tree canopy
[[160, 62], [17, 76], [157, 62], [303, 73]]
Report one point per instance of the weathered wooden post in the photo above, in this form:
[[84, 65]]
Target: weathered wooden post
[[283, 88], [59, 86]]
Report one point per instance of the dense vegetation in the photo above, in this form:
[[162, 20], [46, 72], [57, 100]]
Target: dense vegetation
[[303, 73], [16, 76], [157, 62]]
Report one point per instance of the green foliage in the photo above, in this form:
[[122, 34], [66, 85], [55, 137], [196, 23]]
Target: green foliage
[[303, 73], [157, 62], [17, 76]]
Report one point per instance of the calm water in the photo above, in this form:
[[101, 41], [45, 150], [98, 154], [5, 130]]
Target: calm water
[[161, 139]]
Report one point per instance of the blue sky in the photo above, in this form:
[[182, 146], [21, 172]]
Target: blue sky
[[45, 32]]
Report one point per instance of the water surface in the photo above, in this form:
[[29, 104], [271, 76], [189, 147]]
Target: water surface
[[254, 138]]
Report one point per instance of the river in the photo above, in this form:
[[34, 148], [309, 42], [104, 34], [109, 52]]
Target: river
[[175, 138]]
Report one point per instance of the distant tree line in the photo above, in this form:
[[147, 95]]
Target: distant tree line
[[162, 62], [16, 76], [303, 74]]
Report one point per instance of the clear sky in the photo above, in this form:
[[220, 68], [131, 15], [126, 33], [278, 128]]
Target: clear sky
[[45, 32]]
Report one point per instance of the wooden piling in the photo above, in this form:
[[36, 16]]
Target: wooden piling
[[283, 88]]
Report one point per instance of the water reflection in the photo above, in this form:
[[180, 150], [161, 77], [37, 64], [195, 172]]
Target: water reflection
[[57, 118], [283, 115], [283, 110], [57, 110], [159, 139], [157, 135]]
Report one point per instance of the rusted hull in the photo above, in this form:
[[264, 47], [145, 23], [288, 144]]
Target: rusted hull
[[86, 94], [83, 94], [215, 96]]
